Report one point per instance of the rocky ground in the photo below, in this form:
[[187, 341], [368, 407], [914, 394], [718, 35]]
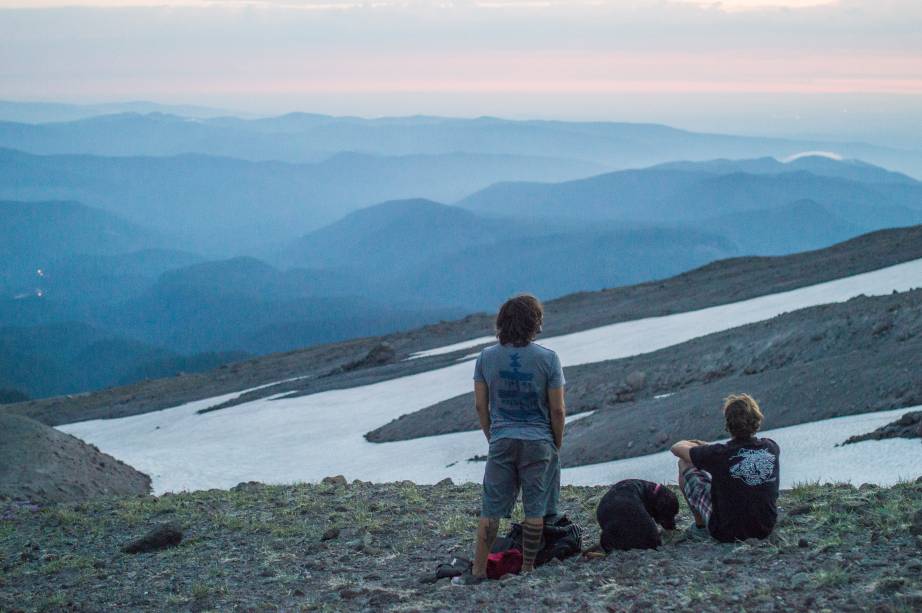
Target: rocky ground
[[339, 547], [40, 464], [839, 359], [345, 364]]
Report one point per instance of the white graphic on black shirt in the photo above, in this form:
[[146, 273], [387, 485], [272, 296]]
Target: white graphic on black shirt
[[756, 466]]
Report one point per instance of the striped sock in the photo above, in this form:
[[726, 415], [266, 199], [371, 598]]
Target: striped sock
[[531, 542]]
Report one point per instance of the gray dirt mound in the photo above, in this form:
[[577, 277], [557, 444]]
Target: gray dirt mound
[[907, 426], [40, 464]]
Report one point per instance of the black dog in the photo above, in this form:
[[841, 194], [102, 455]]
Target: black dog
[[628, 511]]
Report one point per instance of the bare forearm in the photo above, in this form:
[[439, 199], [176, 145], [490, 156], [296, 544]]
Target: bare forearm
[[558, 421], [482, 406], [682, 450], [484, 416], [558, 406]]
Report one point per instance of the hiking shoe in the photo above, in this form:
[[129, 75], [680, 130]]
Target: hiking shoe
[[467, 579]]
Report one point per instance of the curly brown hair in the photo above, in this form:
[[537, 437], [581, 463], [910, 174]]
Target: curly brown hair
[[743, 415], [519, 320]]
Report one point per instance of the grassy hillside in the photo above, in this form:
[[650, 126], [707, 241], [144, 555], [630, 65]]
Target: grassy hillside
[[365, 547]]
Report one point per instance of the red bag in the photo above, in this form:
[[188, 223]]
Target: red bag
[[503, 563]]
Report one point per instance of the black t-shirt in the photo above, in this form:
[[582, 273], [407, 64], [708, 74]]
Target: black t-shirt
[[744, 487]]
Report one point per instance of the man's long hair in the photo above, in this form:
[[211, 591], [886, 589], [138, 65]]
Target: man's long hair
[[519, 320]]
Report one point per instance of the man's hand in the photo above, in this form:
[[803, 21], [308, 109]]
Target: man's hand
[[482, 406], [682, 449], [555, 400]]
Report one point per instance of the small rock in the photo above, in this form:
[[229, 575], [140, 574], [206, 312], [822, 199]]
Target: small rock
[[161, 537], [244, 486], [336, 480], [803, 543], [801, 509], [330, 534], [445, 482], [637, 380]]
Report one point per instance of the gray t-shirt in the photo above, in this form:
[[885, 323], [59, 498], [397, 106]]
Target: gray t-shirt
[[518, 379]]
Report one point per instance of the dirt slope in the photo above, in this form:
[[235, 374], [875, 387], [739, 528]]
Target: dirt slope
[[40, 464]]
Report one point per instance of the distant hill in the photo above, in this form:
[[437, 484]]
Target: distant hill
[[231, 207], [693, 192], [558, 264], [447, 255], [75, 357], [48, 229], [244, 304], [305, 137], [45, 112], [854, 170], [800, 226], [68, 244], [393, 237], [9, 396]]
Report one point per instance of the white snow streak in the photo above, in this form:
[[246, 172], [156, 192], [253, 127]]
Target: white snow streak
[[451, 348]]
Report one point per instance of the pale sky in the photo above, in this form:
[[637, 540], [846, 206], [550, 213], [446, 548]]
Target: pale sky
[[737, 62]]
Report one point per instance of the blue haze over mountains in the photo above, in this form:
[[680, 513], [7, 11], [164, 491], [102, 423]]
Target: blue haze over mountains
[[137, 246]]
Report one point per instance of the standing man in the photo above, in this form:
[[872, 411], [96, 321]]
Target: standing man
[[519, 398]]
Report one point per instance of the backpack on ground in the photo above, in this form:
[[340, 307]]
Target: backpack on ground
[[560, 539]]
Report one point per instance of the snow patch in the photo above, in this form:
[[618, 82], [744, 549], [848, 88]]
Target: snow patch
[[483, 340], [831, 155]]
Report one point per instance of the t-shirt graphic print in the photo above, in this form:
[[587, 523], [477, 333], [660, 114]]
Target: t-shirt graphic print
[[517, 397], [754, 466], [518, 379]]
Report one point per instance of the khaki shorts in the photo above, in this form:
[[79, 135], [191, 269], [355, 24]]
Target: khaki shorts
[[513, 464]]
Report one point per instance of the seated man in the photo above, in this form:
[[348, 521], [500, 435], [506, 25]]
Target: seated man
[[732, 487]]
